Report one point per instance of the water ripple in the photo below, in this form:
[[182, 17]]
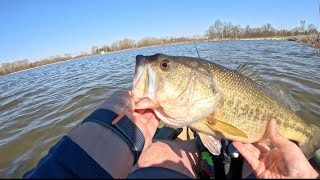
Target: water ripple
[[40, 105]]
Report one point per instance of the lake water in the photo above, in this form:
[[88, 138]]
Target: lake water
[[40, 105]]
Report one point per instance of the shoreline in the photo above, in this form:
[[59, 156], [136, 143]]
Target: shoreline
[[43, 66], [287, 38]]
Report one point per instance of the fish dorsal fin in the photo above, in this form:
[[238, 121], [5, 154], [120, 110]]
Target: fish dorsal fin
[[278, 90], [284, 95], [248, 71]]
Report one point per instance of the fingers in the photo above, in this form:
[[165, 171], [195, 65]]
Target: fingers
[[144, 115], [126, 99], [249, 152], [148, 118], [153, 124], [255, 151], [149, 114], [151, 118], [140, 111], [130, 103], [263, 148], [275, 137]]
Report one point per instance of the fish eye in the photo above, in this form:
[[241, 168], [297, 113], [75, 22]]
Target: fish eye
[[165, 64]]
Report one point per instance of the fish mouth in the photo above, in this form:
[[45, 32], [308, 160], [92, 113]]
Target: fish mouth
[[143, 91]]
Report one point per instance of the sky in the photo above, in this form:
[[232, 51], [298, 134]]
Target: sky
[[36, 29]]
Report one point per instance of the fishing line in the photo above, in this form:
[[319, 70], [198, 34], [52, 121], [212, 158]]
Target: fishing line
[[196, 49]]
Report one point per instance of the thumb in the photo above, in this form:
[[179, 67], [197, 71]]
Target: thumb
[[275, 137], [131, 104]]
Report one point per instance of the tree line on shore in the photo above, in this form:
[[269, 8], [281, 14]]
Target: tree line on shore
[[219, 30]]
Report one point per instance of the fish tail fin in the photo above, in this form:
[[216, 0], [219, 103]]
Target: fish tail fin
[[313, 144]]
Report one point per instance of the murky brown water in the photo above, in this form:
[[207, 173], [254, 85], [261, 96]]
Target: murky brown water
[[39, 106]]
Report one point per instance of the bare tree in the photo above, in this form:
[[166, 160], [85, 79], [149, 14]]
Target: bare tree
[[126, 43], [94, 50], [302, 26], [312, 29], [215, 30]]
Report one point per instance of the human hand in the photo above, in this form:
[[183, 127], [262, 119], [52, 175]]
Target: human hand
[[145, 119], [285, 160]]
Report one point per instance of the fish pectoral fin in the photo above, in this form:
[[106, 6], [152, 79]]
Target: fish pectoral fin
[[225, 128], [211, 143], [161, 124]]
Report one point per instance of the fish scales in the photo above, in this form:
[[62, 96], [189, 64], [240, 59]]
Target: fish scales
[[243, 100], [218, 102]]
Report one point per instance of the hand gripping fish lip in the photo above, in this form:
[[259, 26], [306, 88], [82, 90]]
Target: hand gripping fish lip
[[144, 92]]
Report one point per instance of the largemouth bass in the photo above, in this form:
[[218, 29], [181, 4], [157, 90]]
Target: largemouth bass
[[218, 102]]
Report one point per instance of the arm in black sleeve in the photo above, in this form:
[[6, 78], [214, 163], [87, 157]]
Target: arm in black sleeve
[[67, 160], [93, 150]]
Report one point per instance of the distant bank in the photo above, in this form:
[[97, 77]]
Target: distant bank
[[312, 40]]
